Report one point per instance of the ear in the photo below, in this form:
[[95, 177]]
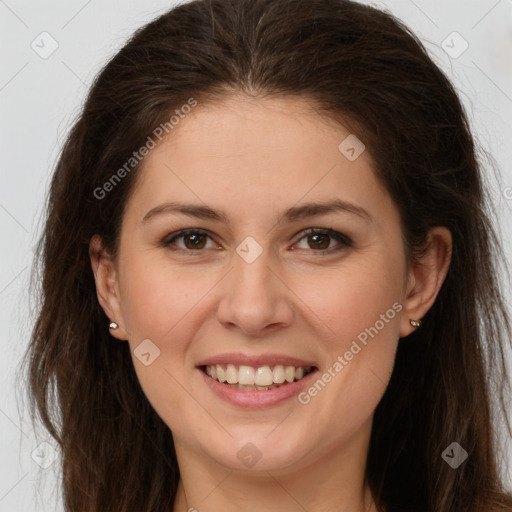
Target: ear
[[107, 286], [426, 277]]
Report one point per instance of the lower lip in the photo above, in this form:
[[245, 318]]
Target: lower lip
[[255, 399]]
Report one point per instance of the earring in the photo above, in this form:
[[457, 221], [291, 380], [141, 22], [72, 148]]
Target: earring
[[415, 323], [113, 325]]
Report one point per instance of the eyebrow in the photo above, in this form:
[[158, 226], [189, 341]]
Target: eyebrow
[[294, 213]]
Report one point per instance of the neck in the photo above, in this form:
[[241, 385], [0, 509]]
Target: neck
[[333, 480]]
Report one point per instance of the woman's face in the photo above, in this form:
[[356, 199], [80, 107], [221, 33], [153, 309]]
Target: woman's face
[[251, 287]]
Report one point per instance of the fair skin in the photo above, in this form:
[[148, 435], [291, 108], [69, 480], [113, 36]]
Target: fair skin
[[253, 159]]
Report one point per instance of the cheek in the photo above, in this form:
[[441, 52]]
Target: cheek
[[156, 297], [358, 314], [345, 303], [163, 305]]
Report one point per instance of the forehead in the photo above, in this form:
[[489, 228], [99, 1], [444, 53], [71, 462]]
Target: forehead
[[264, 126], [254, 154]]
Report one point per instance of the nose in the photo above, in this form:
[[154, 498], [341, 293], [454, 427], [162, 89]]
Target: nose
[[255, 298]]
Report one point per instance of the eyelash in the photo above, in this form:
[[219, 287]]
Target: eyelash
[[343, 240]]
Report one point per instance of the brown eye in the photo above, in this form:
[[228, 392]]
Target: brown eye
[[196, 240], [320, 240], [193, 240]]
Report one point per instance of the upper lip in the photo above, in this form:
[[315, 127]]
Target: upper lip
[[255, 361]]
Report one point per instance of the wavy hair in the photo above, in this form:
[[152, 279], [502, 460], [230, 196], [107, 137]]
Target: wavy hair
[[364, 68]]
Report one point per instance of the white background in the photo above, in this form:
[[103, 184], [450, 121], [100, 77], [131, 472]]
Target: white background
[[39, 99]]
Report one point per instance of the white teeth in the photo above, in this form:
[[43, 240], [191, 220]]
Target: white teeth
[[231, 374], [220, 373], [264, 376], [289, 373], [279, 374], [252, 388], [247, 377]]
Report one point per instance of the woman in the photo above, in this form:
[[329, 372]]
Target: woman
[[268, 274]]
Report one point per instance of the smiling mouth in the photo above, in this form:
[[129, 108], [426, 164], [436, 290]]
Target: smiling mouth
[[262, 378]]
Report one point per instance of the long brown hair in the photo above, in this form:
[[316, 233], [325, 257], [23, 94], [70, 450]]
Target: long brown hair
[[358, 65]]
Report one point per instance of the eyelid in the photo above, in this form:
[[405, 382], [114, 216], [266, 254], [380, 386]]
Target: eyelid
[[166, 242], [343, 240]]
